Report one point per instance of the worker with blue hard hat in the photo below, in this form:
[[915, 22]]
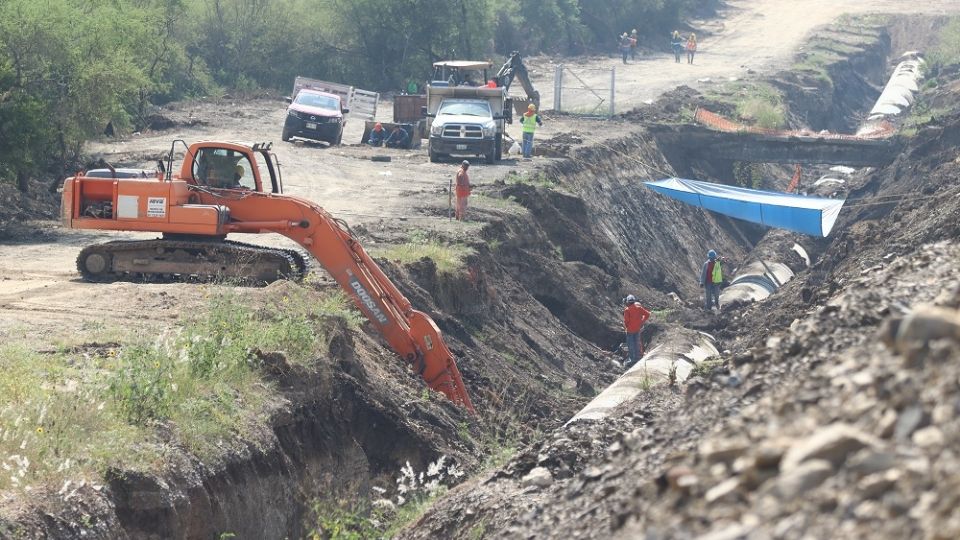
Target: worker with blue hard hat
[[711, 277]]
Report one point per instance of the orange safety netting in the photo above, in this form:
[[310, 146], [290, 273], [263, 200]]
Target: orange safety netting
[[881, 130]]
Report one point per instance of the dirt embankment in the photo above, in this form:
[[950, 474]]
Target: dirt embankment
[[342, 424], [811, 427]]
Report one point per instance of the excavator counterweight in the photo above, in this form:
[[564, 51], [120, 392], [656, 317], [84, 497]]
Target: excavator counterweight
[[220, 191]]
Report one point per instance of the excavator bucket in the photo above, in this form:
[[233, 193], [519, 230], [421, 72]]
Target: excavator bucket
[[437, 367], [198, 213]]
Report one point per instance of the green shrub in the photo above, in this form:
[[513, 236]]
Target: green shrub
[[341, 521], [947, 50], [763, 113], [141, 384]]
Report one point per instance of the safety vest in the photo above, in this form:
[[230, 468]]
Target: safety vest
[[717, 275], [529, 123]]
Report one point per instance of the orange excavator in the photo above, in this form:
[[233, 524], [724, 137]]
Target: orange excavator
[[227, 188]]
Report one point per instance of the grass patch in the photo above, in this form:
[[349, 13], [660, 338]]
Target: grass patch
[[411, 511], [537, 179], [70, 414], [756, 103], [56, 421], [947, 50], [706, 368], [339, 521], [508, 204], [342, 520], [661, 315], [448, 258], [763, 106], [921, 114], [763, 113]]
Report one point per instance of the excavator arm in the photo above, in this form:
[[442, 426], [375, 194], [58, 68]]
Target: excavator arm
[[411, 333], [221, 190], [514, 68]]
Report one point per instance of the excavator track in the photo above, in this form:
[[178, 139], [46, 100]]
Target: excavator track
[[163, 260]]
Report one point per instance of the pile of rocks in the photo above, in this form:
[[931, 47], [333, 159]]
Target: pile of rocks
[[863, 447]]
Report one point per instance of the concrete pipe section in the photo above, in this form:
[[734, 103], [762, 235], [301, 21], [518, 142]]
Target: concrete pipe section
[[756, 282], [898, 95], [678, 354]]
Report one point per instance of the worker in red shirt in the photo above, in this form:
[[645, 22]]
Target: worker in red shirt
[[463, 190], [634, 315]]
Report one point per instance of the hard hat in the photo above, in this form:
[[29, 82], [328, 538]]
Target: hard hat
[[711, 254], [634, 31], [465, 163], [630, 299], [531, 107]]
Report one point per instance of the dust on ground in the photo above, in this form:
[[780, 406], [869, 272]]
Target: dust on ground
[[748, 37]]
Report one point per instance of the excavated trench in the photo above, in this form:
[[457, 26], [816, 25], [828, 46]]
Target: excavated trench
[[641, 243], [533, 319]]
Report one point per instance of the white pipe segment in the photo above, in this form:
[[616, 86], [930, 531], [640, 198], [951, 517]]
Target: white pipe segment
[[798, 249], [678, 356], [897, 95], [756, 282]]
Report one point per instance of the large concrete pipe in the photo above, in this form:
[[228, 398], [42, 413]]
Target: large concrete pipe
[[676, 355], [755, 282], [897, 95]]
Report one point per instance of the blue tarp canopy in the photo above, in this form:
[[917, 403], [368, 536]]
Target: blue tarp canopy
[[809, 215]]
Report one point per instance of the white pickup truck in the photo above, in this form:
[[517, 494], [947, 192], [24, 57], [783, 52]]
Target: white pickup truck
[[468, 121]]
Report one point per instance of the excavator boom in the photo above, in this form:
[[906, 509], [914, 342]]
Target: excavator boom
[[514, 68], [208, 200], [411, 333]]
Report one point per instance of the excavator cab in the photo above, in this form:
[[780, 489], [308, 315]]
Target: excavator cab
[[224, 168], [233, 166]]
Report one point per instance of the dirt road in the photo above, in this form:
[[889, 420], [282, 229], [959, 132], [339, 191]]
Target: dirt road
[[42, 300], [749, 35]]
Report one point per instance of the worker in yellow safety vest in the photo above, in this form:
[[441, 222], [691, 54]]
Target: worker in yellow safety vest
[[711, 276], [530, 120]]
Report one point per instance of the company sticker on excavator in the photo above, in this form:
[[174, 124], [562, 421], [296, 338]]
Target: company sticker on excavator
[[156, 206], [368, 300]]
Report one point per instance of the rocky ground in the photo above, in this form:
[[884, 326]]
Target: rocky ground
[[809, 425], [833, 414]]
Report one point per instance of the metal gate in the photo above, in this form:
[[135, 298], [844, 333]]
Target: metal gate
[[584, 90]]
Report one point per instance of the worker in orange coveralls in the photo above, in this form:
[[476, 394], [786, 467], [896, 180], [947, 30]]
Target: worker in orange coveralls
[[634, 315], [463, 190]]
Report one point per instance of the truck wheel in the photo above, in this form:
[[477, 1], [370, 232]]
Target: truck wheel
[[491, 158], [434, 157], [498, 152], [285, 136], [339, 138]]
